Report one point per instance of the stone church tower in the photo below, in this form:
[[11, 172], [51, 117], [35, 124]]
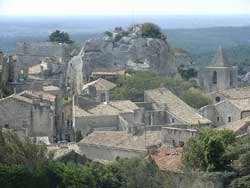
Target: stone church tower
[[218, 76]]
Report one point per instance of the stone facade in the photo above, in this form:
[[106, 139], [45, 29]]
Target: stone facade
[[33, 53], [219, 75], [35, 116], [225, 112], [173, 137]]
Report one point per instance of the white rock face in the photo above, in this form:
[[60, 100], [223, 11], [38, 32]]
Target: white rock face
[[128, 49]]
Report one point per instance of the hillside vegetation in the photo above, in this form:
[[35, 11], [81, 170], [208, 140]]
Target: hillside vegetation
[[132, 87]]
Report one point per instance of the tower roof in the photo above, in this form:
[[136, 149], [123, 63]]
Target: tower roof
[[220, 59]]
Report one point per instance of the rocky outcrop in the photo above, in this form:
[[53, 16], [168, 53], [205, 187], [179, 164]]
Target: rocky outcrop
[[129, 49]]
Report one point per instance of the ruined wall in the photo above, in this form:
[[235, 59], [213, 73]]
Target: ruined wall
[[38, 120], [175, 136], [92, 151], [33, 53], [155, 118], [88, 123]]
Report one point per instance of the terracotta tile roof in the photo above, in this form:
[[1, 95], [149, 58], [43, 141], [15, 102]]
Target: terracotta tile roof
[[121, 139], [168, 159], [176, 106], [235, 126]]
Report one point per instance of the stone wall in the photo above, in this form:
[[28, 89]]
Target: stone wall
[[92, 151], [86, 124], [172, 137], [38, 120], [33, 53], [219, 114], [155, 118], [226, 78]]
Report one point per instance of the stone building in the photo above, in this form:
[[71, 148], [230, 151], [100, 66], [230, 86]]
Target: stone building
[[218, 76], [39, 115], [34, 115], [111, 145], [38, 64], [230, 94], [98, 89], [33, 53], [114, 115], [240, 127], [175, 110], [172, 137], [227, 111]]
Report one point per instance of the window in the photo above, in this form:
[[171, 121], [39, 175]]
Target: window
[[229, 119], [150, 119], [6, 126], [172, 120], [217, 99], [218, 119], [214, 77], [231, 79]]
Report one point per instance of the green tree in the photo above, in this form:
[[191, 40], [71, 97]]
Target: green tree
[[79, 136], [207, 151], [14, 150], [150, 30], [196, 98], [60, 37]]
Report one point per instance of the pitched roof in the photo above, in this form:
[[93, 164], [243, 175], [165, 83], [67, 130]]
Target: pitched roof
[[241, 104], [37, 94], [236, 125], [176, 106], [114, 108], [220, 59], [236, 93], [100, 85], [121, 139]]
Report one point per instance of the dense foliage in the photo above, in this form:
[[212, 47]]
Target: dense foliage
[[132, 87], [208, 151], [150, 30], [13, 150], [23, 164], [60, 37], [196, 98]]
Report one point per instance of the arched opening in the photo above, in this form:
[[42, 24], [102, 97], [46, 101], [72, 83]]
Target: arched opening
[[214, 77], [231, 79]]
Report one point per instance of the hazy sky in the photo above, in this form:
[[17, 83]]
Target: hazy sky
[[123, 7]]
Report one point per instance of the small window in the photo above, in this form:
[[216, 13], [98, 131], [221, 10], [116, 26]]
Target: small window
[[172, 120], [218, 119], [214, 77], [229, 119], [217, 99], [6, 126]]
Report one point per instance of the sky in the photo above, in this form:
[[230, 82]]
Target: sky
[[123, 7]]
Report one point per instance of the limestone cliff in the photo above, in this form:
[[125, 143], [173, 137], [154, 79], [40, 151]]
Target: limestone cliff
[[129, 49]]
